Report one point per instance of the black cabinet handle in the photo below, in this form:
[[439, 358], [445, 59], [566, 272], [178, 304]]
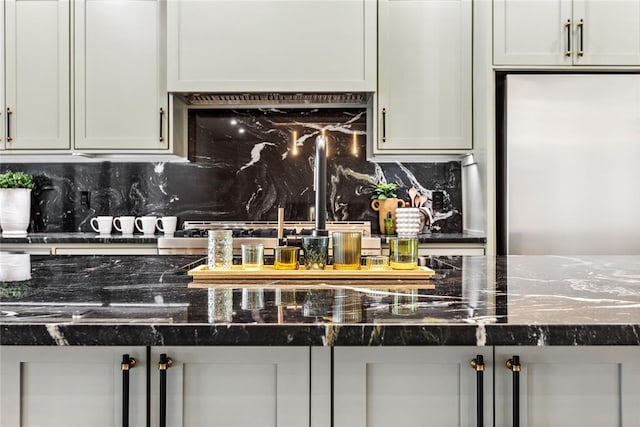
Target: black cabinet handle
[[165, 363], [513, 365], [9, 113], [567, 26], [161, 120], [384, 125], [581, 34], [127, 364], [478, 365]]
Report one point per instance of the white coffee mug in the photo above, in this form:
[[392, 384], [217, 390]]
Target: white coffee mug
[[167, 224], [124, 224], [102, 224], [146, 224]]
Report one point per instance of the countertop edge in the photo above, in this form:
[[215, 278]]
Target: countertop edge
[[324, 335]]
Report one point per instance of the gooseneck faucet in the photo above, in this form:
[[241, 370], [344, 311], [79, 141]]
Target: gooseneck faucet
[[320, 184]]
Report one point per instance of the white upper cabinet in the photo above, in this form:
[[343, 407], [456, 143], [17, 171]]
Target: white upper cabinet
[[120, 83], [566, 32], [608, 32], [86, 75], [37, 110], [424, 76], [272, 45], [2, 105]]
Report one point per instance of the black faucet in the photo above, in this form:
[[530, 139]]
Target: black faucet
[[320, 183]]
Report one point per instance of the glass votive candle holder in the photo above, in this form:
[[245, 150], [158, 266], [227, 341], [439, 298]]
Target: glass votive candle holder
[[252, 256], [286, 258], [404, 302], [220, 249], [252, 299], [316, 252], [347, 249], [403, 253], [377, 262]]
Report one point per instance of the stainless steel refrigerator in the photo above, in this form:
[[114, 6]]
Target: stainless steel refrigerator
[[568, 163]]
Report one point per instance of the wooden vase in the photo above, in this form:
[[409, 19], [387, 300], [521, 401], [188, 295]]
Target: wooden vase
[[382, 207]]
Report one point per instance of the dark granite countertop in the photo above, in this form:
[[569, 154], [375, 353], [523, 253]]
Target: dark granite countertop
[[144, 300], [464, 237], [79, 237]]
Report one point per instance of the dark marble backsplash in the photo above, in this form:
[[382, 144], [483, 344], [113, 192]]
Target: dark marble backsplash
[[244, 164]]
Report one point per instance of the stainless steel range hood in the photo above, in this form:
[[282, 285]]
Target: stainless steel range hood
[[275, 99]]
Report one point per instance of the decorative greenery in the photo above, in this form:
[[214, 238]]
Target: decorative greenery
[[16, 180], [383, 191]]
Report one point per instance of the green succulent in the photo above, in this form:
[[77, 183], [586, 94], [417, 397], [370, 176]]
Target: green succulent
[[16, 180], [383, 191]]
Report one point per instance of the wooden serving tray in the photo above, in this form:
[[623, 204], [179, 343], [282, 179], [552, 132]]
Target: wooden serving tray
[[303, 285], [202, 272]]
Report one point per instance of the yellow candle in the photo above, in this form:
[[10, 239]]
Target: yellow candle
[[354, 145], [294, 143]]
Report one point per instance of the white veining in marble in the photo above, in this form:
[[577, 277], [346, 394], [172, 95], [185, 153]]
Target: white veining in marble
[[56, 334]]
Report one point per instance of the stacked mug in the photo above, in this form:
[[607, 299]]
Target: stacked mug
[[408, 222]]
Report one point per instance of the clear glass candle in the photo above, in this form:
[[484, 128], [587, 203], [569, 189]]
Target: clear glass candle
[[220, 250]]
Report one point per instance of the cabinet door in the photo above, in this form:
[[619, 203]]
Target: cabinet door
[[424, 75], [272, 45], [2, 84], [234, 386], [37, 74], [578, 386], [607, 32], [69, 386], [404, 386], [532, 32], [120, 89]]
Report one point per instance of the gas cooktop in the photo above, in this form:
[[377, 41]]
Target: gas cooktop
[[239, 232]]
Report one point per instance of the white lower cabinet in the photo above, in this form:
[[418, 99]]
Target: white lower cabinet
[[409, 386], [240, 386], [204, 386], [569, 386], [233, 386], [69, 386]]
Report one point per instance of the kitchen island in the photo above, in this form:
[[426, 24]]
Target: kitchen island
[[342, 353], [144, 300]]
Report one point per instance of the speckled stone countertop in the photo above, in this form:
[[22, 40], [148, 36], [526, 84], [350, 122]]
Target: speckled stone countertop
[[144, 300], [79, 238]]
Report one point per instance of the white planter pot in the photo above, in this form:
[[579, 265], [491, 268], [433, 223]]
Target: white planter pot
[[14, 267], [15, 211]]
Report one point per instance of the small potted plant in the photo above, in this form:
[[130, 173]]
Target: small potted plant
[[385, 201], [15, 203]]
